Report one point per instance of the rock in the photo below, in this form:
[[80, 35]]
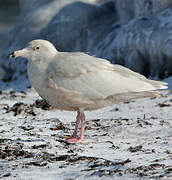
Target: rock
[[129, 9], [27, 6], [136, 34], [143, 45], [8, 2], [78, 27], [61, 22]]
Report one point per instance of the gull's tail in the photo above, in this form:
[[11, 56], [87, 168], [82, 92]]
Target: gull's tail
[[158, 84]]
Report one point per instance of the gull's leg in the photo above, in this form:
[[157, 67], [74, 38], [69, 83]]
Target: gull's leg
[[75, 138], [82, 126], [78, 119]]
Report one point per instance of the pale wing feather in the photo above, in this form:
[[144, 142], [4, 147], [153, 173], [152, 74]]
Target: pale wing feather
[[75, 64], [95, 78]]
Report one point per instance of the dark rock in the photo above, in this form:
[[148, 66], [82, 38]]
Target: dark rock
[[42, 103], [6, 174], [12, 152], [135, 149], [161, 105], [20, 107], [8, 2]]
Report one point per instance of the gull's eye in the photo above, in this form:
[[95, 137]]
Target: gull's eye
[[37, 48]]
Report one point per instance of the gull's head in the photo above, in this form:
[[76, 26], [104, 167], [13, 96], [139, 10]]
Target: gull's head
[[35, 50]]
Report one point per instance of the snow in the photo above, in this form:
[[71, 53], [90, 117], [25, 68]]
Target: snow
[[110, 133]]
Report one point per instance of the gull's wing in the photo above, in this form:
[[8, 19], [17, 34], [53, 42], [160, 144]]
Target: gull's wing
[[75, 64], [96, 78]]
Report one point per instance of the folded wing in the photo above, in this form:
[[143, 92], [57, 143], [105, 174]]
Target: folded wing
[[96, 78]]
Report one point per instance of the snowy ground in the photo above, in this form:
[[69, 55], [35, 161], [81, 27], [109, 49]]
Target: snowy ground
[[132, 140], [125, 141]]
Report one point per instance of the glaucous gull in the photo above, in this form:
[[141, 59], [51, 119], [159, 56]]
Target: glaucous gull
[[76, 81]]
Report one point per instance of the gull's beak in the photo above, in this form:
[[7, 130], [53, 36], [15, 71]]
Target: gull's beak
[[19, 53]]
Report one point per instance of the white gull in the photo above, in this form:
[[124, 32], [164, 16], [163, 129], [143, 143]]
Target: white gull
[[76, 81]]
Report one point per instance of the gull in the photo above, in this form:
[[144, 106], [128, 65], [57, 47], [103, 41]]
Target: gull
[[75, 81]]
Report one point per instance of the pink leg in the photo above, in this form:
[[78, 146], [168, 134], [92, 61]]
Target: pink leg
[[82, 126], [78, 118], [75, 138]]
